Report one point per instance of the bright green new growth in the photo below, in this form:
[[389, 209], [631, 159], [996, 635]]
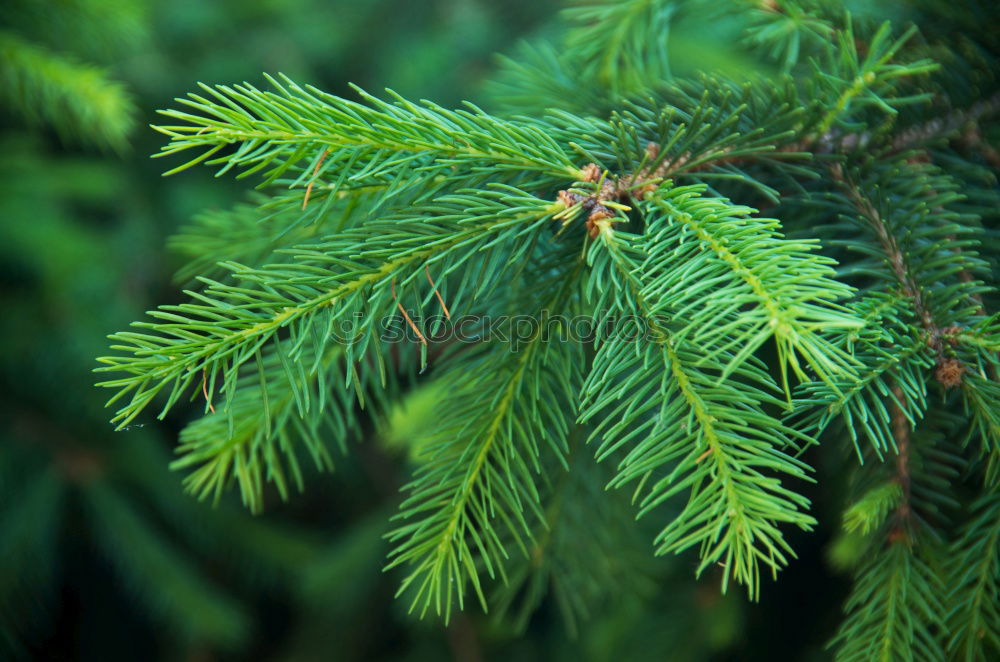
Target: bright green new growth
[[724, 342]]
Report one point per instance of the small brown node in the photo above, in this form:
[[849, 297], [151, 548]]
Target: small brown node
[[569, 199], [949, 371], [599, 214], [590, 173]]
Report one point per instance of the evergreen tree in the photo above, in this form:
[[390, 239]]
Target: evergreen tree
[[781, 268]]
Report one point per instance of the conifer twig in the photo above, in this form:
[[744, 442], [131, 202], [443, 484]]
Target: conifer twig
[[901, 435]]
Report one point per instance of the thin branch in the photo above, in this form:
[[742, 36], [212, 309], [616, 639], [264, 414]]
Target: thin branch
[[901, 434]]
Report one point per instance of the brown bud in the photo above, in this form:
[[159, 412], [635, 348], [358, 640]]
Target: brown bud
[[599, 214], [568, 199], [949, 372], [590, 173], [643, 190]]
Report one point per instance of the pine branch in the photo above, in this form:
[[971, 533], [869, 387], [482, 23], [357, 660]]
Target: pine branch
[[894, 611], [869, 512], [945, 126], [753, 284], [982, 404], [506, 409], [245, 234], [869, 80], [788, 284], [540, 78], [712, 432], [897, 260], [789, 33], [298, 304], [709, 129], [895, 363], [901, 525], [319, 133], [380, 211], [257, 434], [913, 231], [898, 607]]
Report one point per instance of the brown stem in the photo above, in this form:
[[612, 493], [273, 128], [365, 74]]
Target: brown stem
[[901, 434], [946, 124], [896, 258], [646, 179], [834, 141], [948, 370]]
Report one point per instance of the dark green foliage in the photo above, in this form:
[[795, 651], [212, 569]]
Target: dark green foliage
[[743, 255], [725, 343]]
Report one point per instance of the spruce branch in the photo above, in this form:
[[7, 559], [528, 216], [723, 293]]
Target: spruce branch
[[894, 611], [710, 316], [478, 477], [712, 436], [256, 436], [781, 288], [901, 435], [867, 80], [981, 400], [246, 233], [295, 126], [896, 378], [869, 512], [916, 265], [898, 604], [947, 125], [788, 284], [228, 325]]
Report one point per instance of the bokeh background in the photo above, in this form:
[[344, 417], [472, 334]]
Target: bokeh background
[[102, 554]]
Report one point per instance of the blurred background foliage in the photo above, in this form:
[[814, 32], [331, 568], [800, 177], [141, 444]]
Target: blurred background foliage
[[102, 555]]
